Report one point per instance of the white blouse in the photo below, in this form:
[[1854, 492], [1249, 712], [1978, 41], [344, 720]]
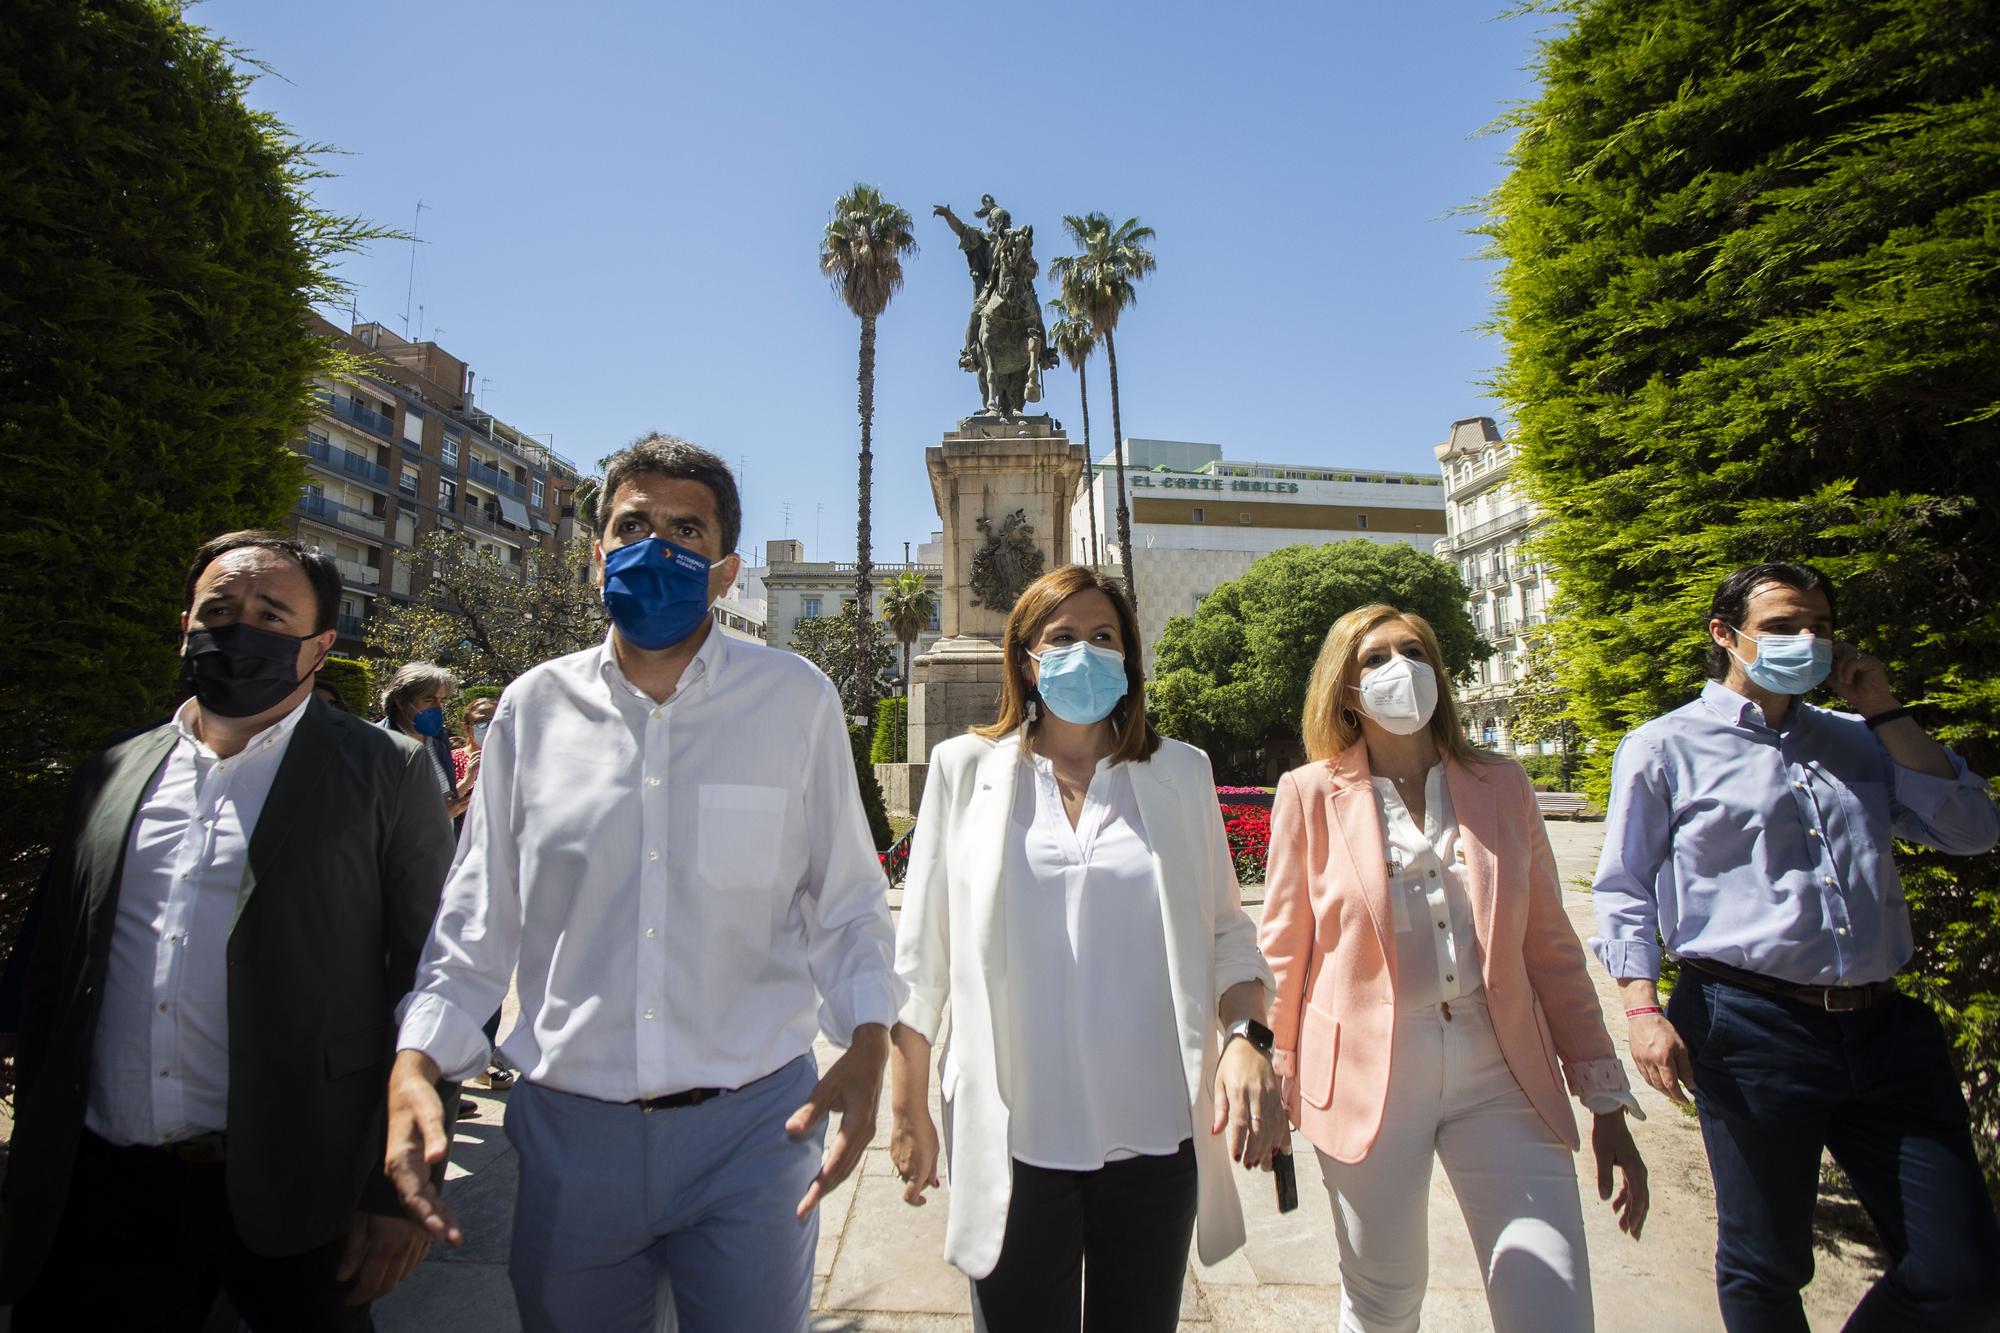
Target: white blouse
[[1437, 946], [1097, 1061]]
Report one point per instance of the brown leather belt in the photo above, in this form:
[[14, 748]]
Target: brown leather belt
[[673, 1101], [1832, 999]]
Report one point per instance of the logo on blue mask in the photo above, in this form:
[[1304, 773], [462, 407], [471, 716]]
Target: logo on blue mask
[[655, 592], [1788, 663], [1081, 682]]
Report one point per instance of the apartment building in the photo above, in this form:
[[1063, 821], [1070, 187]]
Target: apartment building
[[1487, 521], [402, 450]]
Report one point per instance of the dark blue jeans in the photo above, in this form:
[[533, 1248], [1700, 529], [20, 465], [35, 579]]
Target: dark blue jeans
[[1775, 1082]]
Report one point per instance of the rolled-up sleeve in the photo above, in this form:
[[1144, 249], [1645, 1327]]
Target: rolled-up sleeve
[[923, 937], [469, 958], [850, 940], [1955, 815], [1624, 893], [1286, 935]]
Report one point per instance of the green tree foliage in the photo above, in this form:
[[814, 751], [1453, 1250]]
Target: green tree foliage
[[861, 253], [831, 643], [1540, 704], [871, 790], [908, 603], [352, 678], [159, 258], [892, 730], [1752, 264], [1231, 678], [1071, 335], [492, 621], [1099, 285]]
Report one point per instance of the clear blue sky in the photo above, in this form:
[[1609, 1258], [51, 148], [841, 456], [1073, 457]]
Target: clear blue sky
[[624, 204]]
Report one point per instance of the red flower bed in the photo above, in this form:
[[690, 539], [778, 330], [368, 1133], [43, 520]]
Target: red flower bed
[[1249, 830]]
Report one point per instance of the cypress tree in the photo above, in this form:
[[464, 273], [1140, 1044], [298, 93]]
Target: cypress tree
[[158, 261], [1751, 298]]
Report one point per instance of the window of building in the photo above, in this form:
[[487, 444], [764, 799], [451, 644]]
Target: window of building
[[1200, 515], [450, 449], [936, 610], [1361, 522], [409, 482], [1243, 517], [809, 608], [413, 425], [447, 493], [535, 493]]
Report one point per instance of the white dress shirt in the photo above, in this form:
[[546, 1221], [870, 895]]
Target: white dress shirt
[[1100, 1074], [1437, 944], [159, 1066], [675, 881]]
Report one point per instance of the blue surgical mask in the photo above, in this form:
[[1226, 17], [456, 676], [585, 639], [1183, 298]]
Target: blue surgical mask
[[1788, 663], [655, 592], [1080, 682], [479, 732], [428, 721]]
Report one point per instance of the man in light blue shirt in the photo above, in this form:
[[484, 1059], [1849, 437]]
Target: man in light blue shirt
[[1754, 833]]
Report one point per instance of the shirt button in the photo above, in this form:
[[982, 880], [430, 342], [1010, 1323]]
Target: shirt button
[[650, 932], [1441, 925], [654, 856], [1451, 978], [649, 1013], [1840, 930], [185, 874], [1816, 833], [656, 713], [165, 1074], [1829, 881], [1432, 873], [163, 1006], [652, 782]]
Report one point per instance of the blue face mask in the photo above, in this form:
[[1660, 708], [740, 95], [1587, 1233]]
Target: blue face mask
[[428, 721], [656, 592], [1081, 683], [1788, 663]]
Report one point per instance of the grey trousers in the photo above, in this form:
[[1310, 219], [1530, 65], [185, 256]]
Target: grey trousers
[[629, 1222]]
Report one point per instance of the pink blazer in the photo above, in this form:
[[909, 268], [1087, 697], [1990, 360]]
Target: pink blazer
[[1327, 933]]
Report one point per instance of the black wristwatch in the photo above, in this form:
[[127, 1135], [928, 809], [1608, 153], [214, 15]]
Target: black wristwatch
[[1251, 1031]]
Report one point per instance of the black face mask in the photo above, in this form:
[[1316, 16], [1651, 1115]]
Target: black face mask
[[240, 670]]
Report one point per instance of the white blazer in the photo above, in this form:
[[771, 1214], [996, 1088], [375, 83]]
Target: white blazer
[[951, 947]]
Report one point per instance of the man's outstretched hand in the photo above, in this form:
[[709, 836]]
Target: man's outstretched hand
[[417, 1143], [853, 1088]]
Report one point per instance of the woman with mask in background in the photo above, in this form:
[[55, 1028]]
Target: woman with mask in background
[[1429, 989], [1071, 897], [413, 703]]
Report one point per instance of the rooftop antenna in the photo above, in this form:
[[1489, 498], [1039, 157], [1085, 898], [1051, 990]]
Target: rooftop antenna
[[420, 321], [411, 288], [787, 507], [818, 509]]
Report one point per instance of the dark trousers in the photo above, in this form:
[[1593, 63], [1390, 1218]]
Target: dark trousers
[[1128, 1223], [146, 1242], [1775, 1082]]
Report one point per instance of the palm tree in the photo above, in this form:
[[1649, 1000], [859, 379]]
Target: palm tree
[[862, 253], [908, 603], [1071, 336], [1099, 284]]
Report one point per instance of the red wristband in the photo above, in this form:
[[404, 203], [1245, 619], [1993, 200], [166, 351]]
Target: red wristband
[[1644, 1009]]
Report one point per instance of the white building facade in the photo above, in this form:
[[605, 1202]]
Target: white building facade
[[795, 589], [1200, 520], [1488, 521]]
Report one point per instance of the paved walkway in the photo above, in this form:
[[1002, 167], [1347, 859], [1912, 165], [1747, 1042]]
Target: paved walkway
[[879, 1264]]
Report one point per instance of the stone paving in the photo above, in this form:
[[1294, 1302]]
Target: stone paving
[[879, 1265]]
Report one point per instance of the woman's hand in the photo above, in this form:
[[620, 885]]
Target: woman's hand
[[913, 1148], [1248, 1106], [1611, 1142]]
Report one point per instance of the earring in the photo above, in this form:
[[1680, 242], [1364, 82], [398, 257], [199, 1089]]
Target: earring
[[1034, 712], [1351, 718]]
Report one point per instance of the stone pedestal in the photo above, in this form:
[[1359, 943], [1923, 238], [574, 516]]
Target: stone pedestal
[[989, 468]]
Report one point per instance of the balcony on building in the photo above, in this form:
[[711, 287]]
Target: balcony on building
[[360, 575], [351, 627], [492, 477], [1492, 527], [346, 463], [355, 412], [332, 512]]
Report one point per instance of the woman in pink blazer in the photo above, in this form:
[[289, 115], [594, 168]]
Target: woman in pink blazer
[[1431, 995]]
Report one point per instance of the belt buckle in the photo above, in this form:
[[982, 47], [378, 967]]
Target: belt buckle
[[1852, 999]]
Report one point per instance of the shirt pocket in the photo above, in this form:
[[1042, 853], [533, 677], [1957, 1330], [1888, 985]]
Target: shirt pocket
[[741, 835]]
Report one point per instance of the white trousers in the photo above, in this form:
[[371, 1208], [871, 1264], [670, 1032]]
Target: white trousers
[[1452, 1096]]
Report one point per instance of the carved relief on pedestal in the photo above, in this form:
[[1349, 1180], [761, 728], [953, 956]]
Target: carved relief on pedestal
[[1008, 562]]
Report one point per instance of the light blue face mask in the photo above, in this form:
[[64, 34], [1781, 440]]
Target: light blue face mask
[[1788, 663], [1081, 682]]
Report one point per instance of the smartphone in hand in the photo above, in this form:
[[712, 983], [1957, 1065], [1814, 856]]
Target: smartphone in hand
[[1288, 1182]]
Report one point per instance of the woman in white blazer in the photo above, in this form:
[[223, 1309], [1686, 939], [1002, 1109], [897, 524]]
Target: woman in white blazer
[[1072, 901]]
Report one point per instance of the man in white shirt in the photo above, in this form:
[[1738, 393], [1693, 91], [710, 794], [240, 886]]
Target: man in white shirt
[[667, 839], [234, 902]]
